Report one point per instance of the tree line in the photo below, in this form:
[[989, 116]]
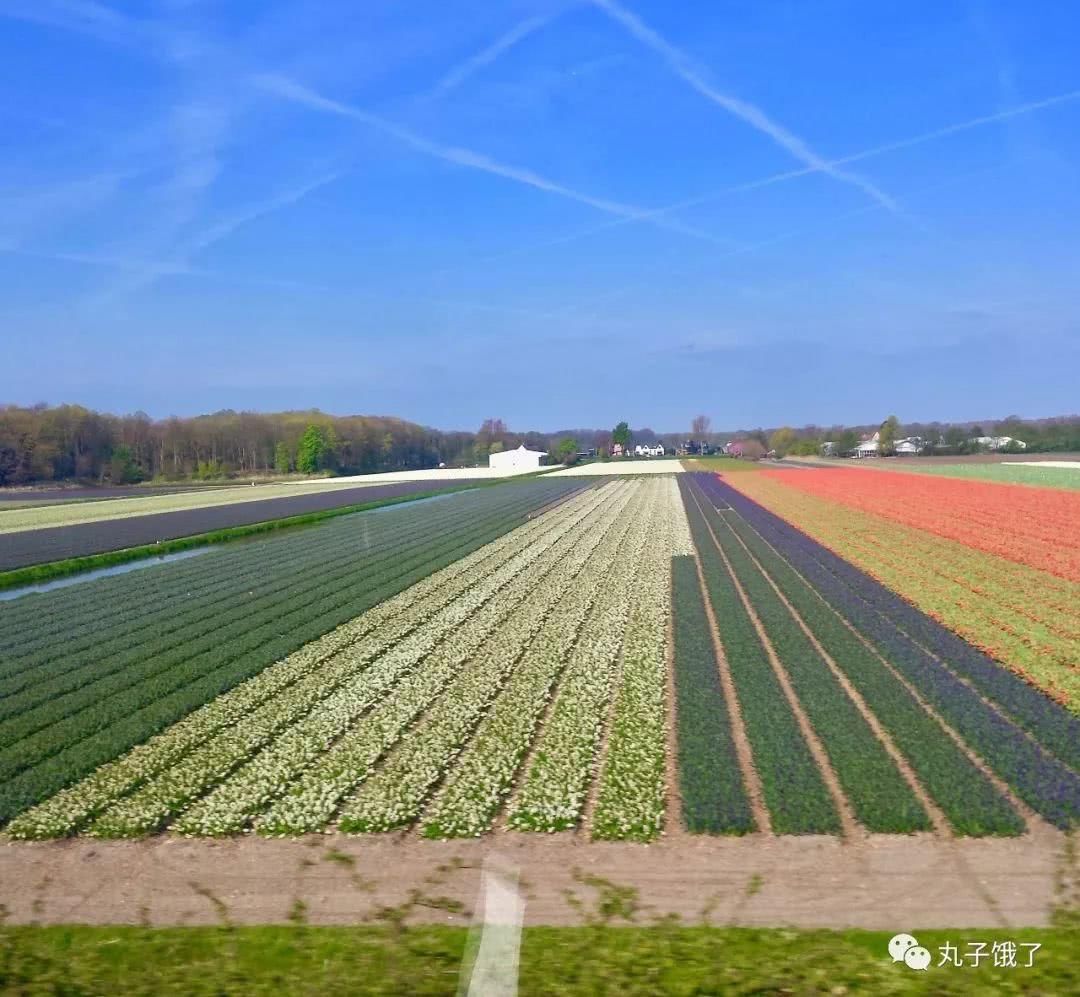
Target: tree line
[[44, 443], [1055, 435], [69, 442]]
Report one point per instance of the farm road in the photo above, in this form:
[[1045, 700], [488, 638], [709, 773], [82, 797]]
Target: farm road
[[877, 882]]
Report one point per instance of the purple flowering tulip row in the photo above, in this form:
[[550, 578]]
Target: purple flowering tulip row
[[1023, 758]]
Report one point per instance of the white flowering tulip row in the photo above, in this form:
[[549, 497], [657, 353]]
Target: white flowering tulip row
[[316, 664], [556, 786], [250, 787], [410, 637], [682, 542], [588, 622], [288, 757], [545, 630], [630, 799]]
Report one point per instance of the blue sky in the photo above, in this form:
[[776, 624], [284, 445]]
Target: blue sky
[[554, 213]]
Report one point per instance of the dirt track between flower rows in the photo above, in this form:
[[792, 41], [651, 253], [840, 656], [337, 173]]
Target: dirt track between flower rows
[[879, 882]]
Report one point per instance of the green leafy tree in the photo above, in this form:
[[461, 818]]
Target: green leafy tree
[[887, 435], [806, 447], [847, 441], [783, 441], [955, 438], [122, 467], [621, 434], [566, 450], [282, 458], [313, 453]]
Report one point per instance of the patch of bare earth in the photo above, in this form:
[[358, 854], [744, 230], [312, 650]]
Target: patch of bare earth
[[881, 882]]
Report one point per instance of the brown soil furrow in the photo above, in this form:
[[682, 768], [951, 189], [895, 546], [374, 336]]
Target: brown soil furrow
[[937, 817], [849, 826], [673, 821]]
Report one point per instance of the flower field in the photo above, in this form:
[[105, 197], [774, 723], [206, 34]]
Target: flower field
[[424, 709], [1039, 528], [614, 657], [858, 709], [1021, 616]]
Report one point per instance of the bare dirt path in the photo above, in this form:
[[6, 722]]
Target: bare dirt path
[[880, 881]]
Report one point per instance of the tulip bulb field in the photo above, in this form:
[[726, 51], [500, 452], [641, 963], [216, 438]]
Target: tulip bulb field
[[611, 658]]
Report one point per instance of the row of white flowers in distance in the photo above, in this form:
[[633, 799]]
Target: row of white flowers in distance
[[413, 633], [394, 796], [313, 800], [682, 542], [483, 774], [63, 813], [553, 791], [247, 791], [630, 799]]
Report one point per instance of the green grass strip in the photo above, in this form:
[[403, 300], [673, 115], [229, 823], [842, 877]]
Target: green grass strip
[[423, 961]]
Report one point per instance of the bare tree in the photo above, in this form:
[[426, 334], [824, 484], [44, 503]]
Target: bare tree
[[699, 428]]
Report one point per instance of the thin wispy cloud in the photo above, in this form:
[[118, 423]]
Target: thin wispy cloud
[[683, 66], [152, 270], [774, 178], [31, 211], [181, 259], [84, 17], [457, 155], [461, 72]]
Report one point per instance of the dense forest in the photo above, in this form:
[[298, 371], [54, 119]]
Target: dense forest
[[68, 442]]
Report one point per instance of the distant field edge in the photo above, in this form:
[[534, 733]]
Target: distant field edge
[[34, 574], [603, 957]]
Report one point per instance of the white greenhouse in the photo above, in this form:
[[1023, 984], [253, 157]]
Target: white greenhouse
[[516, 460]]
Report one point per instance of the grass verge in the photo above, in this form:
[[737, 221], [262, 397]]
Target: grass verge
[[664, 958]]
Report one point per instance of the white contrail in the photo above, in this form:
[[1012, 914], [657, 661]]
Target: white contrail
[[296, 92], [878, 150], [683, 67], [224, 228], [460, 73]]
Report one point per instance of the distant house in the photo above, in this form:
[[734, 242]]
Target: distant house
[[616, 450], [908, 447], [999, 442], [649, 450], [869, 447], [520, 459]]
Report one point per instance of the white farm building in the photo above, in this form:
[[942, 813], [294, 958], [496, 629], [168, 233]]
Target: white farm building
[[516, 460]]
